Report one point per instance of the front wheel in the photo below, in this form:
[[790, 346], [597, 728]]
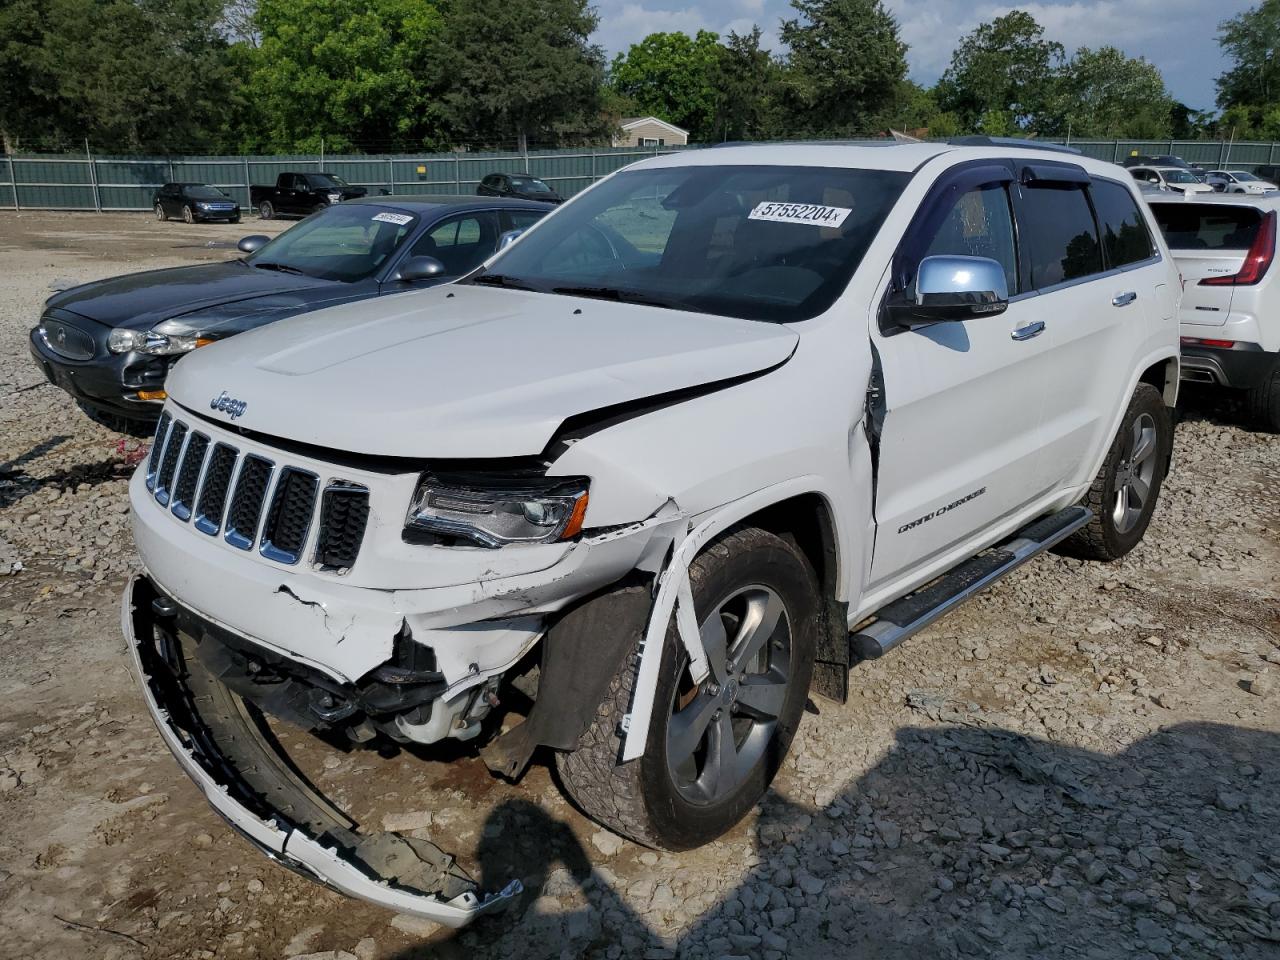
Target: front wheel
[[265, 210], [712, 748], [1124, 493]]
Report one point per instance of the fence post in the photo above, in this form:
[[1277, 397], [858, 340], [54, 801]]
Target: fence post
[[391, 175], [172, 178], [457, 175], [593, 164], [321, 167], [13, 180], [248, 193], [93, 177]]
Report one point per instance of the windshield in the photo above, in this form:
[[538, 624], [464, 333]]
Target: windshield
[[529, 185], [761, 242], [205, 193], [1178, 176], [1243, 176], [343, 242], [322, 180]]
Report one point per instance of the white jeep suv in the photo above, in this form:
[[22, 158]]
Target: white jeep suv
[[713, 431]]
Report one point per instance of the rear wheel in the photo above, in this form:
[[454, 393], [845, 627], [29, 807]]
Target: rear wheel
[[1124, 493], [712, 749], [160, 214], [265, 210], [1263, 401]]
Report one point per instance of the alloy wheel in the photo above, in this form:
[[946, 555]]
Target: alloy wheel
[[1134, 474], [719, 730]]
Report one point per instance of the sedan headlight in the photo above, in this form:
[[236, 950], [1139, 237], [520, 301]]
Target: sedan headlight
[[494, 512], [165, 339], [335, 197]]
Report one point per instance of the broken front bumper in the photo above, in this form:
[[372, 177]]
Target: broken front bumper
[[227, 751]]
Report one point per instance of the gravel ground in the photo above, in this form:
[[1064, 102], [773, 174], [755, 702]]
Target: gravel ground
[[1083, 762]]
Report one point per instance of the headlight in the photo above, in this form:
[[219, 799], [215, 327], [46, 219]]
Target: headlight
[[167, 338], [335, 197], [495, 512]]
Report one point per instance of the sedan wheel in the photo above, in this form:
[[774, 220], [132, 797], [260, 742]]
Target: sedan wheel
[[188, 216]]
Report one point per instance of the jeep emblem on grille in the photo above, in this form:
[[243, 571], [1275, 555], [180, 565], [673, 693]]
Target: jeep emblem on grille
[[228, 404]]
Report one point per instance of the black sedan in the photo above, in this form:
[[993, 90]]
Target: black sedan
[[519, 185], [110, 344], [194, 202]]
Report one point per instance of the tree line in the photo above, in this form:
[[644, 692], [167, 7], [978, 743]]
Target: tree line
[[192, 76]]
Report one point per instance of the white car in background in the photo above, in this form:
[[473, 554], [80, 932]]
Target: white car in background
[[1230, 315], [1238, 181], [1170, 179]]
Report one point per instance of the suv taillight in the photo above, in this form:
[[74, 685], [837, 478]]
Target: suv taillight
[[1261, 252]]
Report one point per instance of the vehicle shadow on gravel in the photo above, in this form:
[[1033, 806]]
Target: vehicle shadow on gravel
[[962, 841]]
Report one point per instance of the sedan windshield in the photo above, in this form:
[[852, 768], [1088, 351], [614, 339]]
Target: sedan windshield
[[529, 185], [205, 193], [760, 242], [343, 242]]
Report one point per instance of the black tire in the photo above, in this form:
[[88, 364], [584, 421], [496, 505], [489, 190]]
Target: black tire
[[266, 211], [1109, 536], [1263, 402], [235, 219], [188, 215], [160, 214], [641, 799]]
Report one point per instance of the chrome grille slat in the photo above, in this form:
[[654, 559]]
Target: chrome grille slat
[[247, 501], [169, 462], [184, 487], [253, 501], [212, 502]]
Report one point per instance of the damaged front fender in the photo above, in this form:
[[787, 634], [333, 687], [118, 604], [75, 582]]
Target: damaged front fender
[[225, 748]]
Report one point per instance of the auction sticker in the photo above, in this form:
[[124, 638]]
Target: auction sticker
[[811, 213], [397, 218]]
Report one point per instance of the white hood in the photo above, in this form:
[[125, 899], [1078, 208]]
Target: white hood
[[462, 371]]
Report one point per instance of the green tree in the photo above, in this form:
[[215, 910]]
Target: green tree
[[749, 79], [129, 75], [1104, 94], [674, 77], [1002, 75], [1251, 42], [521, 69], [844, 64], [350, 72]]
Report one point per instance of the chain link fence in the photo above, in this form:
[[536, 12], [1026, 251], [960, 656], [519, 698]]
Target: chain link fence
[[113, 183]]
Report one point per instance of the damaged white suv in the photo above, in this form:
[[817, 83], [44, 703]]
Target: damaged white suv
[[724, 424]]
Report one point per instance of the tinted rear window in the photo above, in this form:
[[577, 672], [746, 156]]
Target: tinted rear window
[[1061, 235], [1124, 231], [1203, 226]]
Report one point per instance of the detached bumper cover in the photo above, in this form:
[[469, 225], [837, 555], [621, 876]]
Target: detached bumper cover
[[268, 803]]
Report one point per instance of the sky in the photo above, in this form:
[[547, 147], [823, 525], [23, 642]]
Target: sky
[[1178, 36]]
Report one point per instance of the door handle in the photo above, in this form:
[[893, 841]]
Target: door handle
[[1123, 299], [1033, 329]]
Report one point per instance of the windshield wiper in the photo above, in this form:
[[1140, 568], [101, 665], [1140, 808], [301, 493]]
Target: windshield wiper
[[501, 280], [282, 267], [614, 293]]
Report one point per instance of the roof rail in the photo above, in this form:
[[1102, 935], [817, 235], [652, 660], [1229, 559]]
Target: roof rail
[[981, 141]]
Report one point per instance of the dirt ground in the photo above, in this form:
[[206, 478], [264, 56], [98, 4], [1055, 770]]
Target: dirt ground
[[1084, 762]]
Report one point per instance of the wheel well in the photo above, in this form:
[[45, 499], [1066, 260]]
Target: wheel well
[[1164, 377], [807, 519]]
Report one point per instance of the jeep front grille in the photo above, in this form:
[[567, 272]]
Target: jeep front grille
[[253, 501]]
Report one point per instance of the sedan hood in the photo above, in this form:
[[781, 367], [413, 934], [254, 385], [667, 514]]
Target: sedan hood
[[141, 300], [462, 371]]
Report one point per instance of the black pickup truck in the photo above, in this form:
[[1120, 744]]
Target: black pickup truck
[[300, 194]]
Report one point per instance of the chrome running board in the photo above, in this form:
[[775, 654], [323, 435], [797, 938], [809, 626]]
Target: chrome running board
[[898, 620]]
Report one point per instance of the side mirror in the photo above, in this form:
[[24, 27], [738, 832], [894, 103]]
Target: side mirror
[[416, 269], [954, 288], [508, 238], [252, 243]]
